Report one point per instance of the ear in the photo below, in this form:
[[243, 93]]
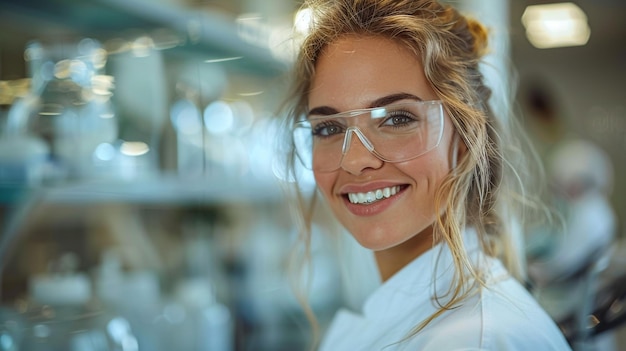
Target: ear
[[457, 150]]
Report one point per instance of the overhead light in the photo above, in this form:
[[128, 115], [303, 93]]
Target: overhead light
[[556, 25]]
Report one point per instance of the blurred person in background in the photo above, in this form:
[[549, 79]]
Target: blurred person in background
[[390, 112], [565, 262], [569, 259], [581, 177]]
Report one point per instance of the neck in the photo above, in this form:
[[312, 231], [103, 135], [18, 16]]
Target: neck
[[390, 261]]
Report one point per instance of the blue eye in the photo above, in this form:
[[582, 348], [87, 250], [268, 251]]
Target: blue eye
[[399, 119], [327, 128]]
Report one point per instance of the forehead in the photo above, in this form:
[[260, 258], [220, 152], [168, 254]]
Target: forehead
[[353, 71]]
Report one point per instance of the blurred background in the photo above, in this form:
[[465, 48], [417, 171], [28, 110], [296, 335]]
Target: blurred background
[[141, 205]]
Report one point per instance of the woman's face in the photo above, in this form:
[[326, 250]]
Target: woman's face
[[353, 73]]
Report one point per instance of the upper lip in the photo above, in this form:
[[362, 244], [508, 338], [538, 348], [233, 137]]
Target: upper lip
[[366, 187]]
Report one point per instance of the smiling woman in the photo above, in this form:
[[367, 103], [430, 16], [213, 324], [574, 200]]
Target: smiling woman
[[382, 70], [390, 112]]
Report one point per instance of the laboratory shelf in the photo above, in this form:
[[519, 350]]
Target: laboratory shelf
[[209, 190], [164, 189], [205, 31]]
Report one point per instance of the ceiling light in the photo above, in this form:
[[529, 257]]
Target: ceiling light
[[556, 25]]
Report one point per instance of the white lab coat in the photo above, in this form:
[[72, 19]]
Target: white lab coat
[[503, 317]]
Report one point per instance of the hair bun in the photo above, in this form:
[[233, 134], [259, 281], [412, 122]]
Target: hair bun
[[481, 37]]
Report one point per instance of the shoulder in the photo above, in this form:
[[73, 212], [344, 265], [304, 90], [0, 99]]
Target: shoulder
[[503, 316], [513, 320]]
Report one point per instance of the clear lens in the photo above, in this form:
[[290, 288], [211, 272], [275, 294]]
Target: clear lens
[[394, 133]]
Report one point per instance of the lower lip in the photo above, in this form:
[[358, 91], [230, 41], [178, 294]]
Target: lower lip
[[366, 210]]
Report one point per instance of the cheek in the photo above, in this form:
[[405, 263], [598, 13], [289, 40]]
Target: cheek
[[427, 174], [325, 182], [430, 168], [438, 170]]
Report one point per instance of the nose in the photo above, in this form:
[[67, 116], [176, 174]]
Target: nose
[[357, 153]]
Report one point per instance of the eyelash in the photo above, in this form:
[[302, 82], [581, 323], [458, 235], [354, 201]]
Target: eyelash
[[317, 130], [407, 118]]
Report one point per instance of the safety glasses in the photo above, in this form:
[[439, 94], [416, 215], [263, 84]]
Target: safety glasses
[[395, 133]]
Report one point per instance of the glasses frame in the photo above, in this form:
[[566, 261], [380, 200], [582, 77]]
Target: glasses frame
[[306, 123]]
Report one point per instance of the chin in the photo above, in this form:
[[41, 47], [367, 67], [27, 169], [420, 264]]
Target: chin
[[384, 238], [375, 240]]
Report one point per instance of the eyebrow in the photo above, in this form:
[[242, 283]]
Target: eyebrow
[[382, 101]]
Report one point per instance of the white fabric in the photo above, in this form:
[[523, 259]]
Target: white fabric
[[503, 317]]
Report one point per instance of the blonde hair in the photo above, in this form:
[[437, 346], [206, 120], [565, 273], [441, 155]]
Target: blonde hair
[[485, 188]]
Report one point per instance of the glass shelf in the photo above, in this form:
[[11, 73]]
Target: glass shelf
[[170, 189], [202, 30]]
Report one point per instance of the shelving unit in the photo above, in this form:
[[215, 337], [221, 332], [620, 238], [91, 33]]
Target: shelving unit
[[210, 189], [162, 218], [204, 34], [207, 32]]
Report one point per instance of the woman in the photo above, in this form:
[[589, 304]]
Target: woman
[[391, 114]]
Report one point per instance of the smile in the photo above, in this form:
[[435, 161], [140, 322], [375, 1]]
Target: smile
[[373, 196]]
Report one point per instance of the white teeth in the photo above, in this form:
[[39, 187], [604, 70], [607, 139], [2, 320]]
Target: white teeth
[[379, 194], [386, 192], [360, 197], [373, 196]]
